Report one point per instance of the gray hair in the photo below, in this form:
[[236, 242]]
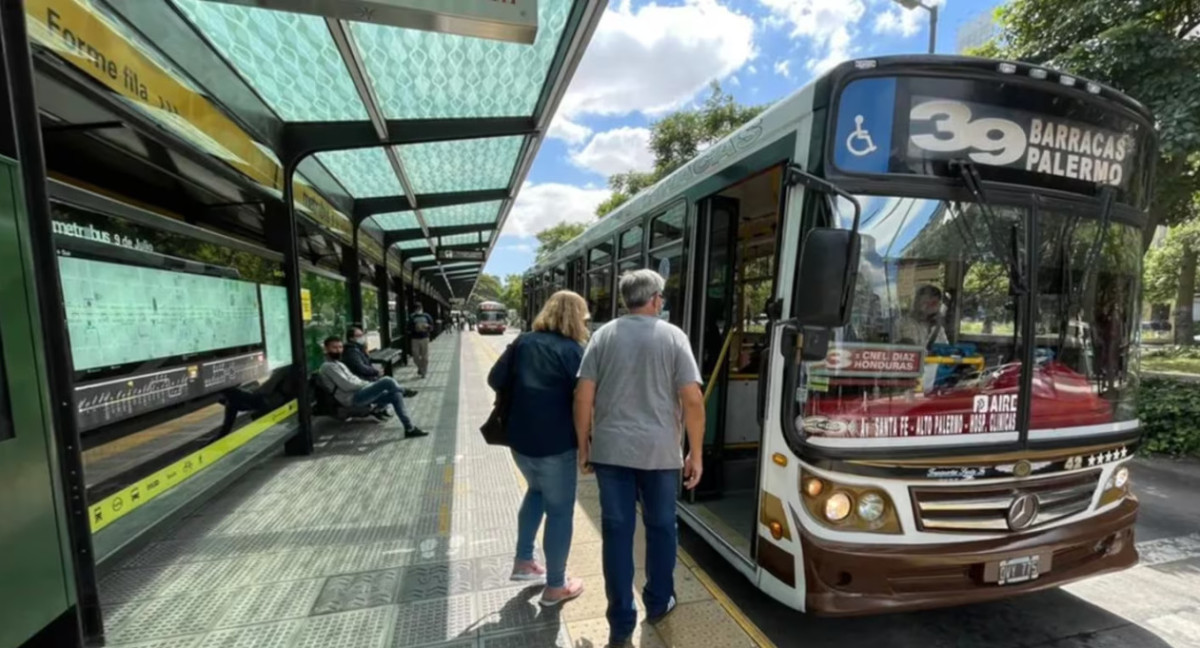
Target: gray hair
[[638, 287]]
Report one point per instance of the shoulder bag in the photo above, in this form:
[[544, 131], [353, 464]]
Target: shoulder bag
[[495, 429]]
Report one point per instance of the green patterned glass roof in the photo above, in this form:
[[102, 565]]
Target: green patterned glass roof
[[418, 74], [425, 257], [471, 214], [466, 239], [414, 244], [289, 58], [461, 165], [397, 220], [365, 173]]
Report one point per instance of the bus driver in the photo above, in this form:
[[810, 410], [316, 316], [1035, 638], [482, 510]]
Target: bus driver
[[922, 324]]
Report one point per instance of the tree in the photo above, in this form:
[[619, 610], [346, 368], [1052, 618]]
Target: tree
[[513, 294], [551, 239], [1164, 283], [1149, 50], [486, 289], [677, 138]]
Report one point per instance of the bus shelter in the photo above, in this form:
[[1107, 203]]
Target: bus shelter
[[387, 136]]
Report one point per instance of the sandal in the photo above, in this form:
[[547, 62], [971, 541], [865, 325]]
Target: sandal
[[552, 596]]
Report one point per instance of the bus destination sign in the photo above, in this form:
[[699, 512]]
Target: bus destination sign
[[890, 125]]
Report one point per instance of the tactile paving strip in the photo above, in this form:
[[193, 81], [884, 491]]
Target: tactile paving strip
[[421, 582], [437, 620], [369, 628], [556, 637], [274, 602], [271, 635], [357, 591]]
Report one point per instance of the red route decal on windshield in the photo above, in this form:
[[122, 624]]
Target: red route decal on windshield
[[990, 413]]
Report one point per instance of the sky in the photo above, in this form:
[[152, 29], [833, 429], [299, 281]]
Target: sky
[[647, 59]]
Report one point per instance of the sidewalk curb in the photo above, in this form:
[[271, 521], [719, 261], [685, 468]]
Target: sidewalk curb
[[1184, 469]]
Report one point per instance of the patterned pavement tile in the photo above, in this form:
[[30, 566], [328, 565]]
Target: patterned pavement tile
[[421, 582], [436, 620], [370, 628], [357, 591]]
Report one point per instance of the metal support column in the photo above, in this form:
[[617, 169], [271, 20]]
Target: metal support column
[[353, 274], [383, 286], [22, 140], [302, 442]]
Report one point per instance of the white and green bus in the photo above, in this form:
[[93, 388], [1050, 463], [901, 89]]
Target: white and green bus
[[913, 290]]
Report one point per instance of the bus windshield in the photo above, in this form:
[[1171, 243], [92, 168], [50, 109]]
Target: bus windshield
[[935, 351]]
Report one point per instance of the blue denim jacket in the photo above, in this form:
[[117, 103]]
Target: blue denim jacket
[[540, 422]]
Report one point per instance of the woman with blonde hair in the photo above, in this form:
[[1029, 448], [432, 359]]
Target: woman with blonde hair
[[543, 365]]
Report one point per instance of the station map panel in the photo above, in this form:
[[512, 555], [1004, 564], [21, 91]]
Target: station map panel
[[275, 323], [117, 314]]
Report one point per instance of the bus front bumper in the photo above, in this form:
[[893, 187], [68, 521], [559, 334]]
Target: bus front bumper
[[855, 579]]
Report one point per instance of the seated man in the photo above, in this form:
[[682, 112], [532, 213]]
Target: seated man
[[354, 356], [352, 391], [922, 324]]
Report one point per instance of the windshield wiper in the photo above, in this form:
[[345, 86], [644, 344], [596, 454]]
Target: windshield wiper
[[1074, 291], [974, 184]]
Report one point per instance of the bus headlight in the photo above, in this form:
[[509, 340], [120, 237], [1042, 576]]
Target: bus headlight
[[1121, 477], [848, 508], [837, 507], [1117, 486], [871, 507]]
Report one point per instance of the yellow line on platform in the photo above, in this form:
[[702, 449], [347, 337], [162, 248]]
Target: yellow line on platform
[[749, 627]]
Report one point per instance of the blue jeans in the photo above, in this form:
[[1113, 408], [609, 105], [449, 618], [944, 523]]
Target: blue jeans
[[552, 481], [385, 391], [620, 490]]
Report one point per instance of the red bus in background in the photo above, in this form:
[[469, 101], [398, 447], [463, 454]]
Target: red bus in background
[[492, 318]]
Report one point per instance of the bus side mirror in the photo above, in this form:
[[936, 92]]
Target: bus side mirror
[[828, 273]]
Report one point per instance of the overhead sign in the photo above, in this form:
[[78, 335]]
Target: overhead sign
[[1013, 133], [461, 255], [505, 20]]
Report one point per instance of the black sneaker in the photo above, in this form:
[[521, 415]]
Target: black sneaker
[[415, 432], [654, 620], [409, 393]]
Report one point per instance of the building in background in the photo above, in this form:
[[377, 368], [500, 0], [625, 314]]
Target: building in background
[[976, 31]]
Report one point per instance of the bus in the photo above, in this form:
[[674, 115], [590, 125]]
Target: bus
[[912, 288], [491, 317]]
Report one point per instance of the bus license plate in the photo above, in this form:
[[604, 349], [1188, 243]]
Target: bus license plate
[[1017, 570]]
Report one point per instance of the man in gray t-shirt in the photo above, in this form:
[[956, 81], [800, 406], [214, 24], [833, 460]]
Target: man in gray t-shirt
[[638, 388]]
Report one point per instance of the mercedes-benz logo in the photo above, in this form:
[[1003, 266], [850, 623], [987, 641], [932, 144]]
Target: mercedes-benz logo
[[1022, 512]]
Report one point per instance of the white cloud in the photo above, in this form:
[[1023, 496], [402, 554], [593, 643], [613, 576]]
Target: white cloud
[[752, 69], [783, 68], [734, 81], [828, 24], [655, 59], [899, 21], [564, 129], [616, 151], [513, 245], [544, 205]]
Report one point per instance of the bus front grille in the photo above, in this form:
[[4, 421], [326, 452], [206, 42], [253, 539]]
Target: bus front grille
[[985, 507]]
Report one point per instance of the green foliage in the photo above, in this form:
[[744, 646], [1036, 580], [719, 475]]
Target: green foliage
[[1145, 49], [513, 294], [1170, 414], [679, 137], [551, 239], [1161, 277]]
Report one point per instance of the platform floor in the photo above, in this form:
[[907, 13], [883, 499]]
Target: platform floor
[[378, 541]]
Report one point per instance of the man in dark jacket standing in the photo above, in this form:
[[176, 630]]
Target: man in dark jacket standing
[[356, 359]]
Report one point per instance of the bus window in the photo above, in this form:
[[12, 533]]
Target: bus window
[[1086, 312], [631, 258], [600, 279], [932, 328], [667, 259]]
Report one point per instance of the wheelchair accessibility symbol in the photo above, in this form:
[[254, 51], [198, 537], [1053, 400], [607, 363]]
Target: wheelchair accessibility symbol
[[859, 142]]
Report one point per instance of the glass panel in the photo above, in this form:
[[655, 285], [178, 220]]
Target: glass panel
[[600, 255], [331, 314], [1085, 373], [668, 262], [397, 220], [933, 339], [414, 244], [631, 242], [424, 257], [461, 165], [467, 239], [365, 173], [622, 268], [6, 424], [472, 214], [419, 74], [668, 228], [600, 295], [289, 58]]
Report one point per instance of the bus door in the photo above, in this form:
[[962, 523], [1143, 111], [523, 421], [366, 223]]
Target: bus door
[[737, 234]]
